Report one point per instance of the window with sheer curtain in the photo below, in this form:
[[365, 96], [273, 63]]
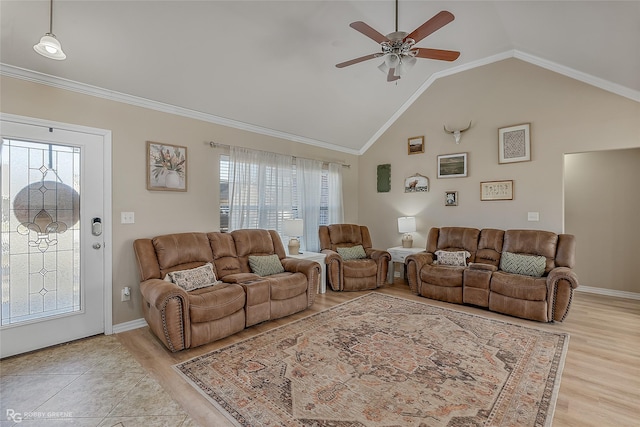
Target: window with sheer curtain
[[260, 190]]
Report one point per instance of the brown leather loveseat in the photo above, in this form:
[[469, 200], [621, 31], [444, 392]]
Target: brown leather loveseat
[[238, 297], [523, 273]]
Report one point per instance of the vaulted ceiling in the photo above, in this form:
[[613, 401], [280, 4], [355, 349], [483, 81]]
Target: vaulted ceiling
[[269, 66]]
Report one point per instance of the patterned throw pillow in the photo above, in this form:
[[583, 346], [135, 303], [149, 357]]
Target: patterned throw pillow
[[354, 252], [265, 265], [529, 265], [194, 278], [458, 259]]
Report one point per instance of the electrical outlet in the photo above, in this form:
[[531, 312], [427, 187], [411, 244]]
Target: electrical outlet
[[125, 294]]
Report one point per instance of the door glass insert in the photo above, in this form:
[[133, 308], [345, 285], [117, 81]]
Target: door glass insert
[[40, 230]]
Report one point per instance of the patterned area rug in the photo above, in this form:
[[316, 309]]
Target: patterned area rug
[[380, 360]]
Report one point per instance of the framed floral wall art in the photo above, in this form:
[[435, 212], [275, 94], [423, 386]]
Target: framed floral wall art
[[166, 167]]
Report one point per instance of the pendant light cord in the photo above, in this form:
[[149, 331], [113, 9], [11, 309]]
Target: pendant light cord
[[51, 17]]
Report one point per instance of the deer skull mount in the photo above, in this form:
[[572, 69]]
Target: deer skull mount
[[457, 134]]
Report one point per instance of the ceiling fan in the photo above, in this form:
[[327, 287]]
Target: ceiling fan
[[398, 48]]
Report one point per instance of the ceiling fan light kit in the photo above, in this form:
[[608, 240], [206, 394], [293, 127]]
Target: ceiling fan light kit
[[49, 45], [398, 48]]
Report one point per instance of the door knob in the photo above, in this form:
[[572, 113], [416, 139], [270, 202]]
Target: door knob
[[97, 246]]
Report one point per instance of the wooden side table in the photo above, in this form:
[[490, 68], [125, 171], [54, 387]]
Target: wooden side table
[[399, 254], [319, 258]]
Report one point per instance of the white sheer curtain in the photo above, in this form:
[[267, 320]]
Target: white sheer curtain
[[260, 189], [309, 187], [334, 204]]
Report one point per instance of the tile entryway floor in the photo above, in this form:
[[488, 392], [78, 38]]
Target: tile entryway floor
[[90, 382]]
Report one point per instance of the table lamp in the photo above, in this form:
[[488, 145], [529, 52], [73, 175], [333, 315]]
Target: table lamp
[[293, 228], [407, 225]]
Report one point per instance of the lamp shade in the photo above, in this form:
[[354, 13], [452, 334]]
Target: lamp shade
[[293, 227], [50, 47], [406, 224]]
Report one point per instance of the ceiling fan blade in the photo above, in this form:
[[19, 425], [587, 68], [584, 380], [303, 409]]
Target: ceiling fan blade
[[356, 60], [432, 25], [368, 31], [442, 55], [391, 77]]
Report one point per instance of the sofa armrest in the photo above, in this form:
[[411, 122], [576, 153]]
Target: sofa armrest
[[334, 269], [311, 269], [167, 312], [382, 259], [377, 254], [561, 282], [240, 278], [482, 266], [414, 263]]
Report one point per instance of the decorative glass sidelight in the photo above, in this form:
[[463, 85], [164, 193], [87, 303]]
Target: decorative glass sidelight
[[40, 230]]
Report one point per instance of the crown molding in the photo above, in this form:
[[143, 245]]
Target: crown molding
[[57, 82], [85, 89]]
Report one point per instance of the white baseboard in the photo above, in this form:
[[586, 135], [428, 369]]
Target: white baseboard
[[608, 292], [129, 326]]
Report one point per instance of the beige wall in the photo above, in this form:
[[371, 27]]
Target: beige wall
[[566, 116], [602, 206], [156, 212]]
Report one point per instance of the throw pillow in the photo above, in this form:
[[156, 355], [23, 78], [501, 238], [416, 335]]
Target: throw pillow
[[194, 278], [528, 265], [458, 258], [265, 265], [353, 252]]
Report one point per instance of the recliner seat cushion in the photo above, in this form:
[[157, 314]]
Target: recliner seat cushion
[[360, 268], [215, 302], [287, 285], [442, 275], [519, 286]]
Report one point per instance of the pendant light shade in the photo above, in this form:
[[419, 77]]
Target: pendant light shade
[[49, 45]]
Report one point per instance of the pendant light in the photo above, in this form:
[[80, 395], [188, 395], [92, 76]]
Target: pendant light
[[49, 45]]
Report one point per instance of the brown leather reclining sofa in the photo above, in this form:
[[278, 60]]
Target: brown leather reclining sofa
[[544, 296], [183, 319]]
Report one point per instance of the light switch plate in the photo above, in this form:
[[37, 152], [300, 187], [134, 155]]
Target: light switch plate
[[533, 216], [127, 218]]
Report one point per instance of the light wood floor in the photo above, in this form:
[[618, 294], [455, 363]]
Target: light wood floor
[[600, 382]]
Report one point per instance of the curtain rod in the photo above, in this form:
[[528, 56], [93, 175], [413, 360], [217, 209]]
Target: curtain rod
[[216, 144]]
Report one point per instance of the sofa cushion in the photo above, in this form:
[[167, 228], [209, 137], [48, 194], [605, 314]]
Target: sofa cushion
[[365, 267], [457, 258], [265, 265], [207, 304], [351, 252], [287, 285], [194, 278], [442, 275], [528, 265], [518, 286]]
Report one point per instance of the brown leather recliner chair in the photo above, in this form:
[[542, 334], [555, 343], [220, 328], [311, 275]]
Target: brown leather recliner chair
[[369, 272]]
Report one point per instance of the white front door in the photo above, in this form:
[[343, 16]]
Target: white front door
[[53, 233]]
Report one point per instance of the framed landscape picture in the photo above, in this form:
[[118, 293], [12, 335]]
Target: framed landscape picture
[[166, 167], [452, 165], [514, 144], [416, 145]]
